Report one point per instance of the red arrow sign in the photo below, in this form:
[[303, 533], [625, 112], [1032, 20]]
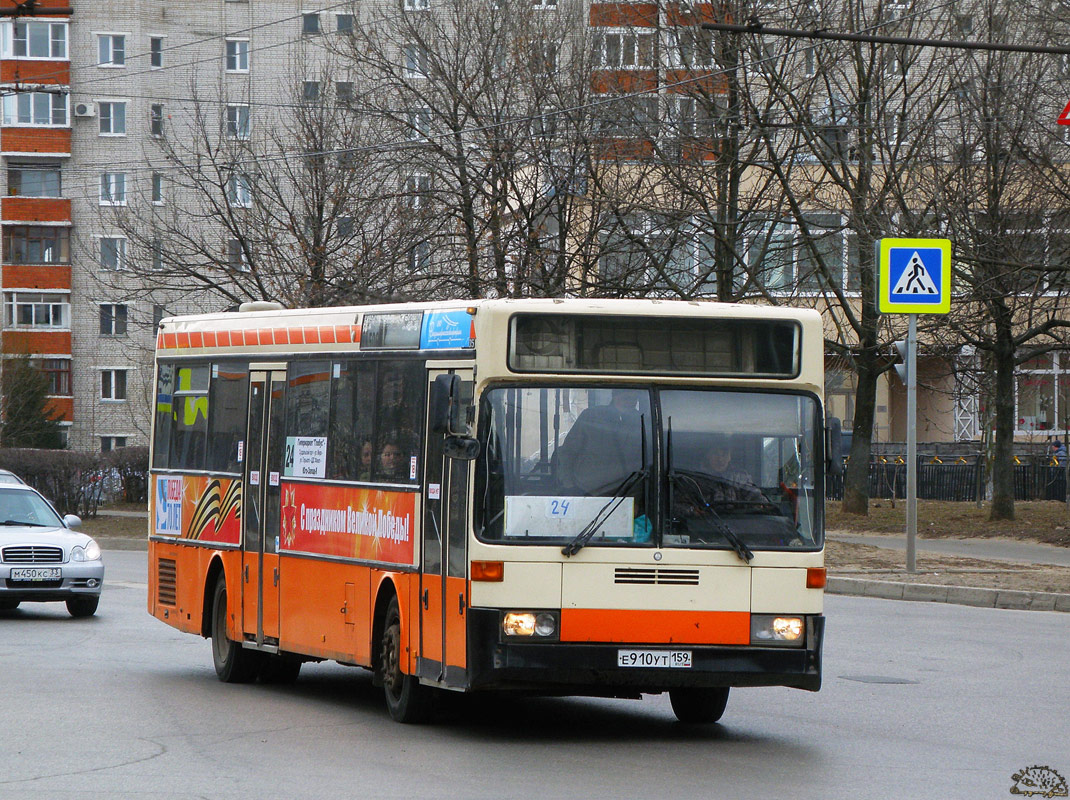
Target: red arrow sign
[[1064, 118]]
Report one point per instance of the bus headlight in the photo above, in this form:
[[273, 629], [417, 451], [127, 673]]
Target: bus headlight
[[542, 625], [770, 629]]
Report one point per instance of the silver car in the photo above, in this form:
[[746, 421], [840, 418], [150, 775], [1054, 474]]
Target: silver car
[[41, 558]]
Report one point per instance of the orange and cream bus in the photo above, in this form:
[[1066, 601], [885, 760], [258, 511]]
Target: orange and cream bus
[[588, 497]]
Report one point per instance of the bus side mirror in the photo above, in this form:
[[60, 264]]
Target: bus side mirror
[[462, 448], [833, 448], [447, 407]]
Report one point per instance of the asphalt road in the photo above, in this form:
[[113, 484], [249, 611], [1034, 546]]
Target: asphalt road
[[920, 700]]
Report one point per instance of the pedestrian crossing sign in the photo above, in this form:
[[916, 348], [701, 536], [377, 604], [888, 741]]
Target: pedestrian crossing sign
[[915, 276]]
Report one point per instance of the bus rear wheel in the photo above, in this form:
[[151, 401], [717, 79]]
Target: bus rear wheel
[[233, 663], [699, 706], [406, 700]]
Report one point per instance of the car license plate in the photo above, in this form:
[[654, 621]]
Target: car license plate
[[680, 659], [35, 574]]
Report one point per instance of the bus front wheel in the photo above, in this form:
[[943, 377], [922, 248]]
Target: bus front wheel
[[699, 705], [406, 699], [233, 663]]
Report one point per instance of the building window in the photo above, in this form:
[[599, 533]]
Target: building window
[[310, 24], [690, 46], [34, 40], [155, 52], [156, 119], [31, 180], [414, 59], [112, 118], [418, 189], [237, 55], [236, 258], [416, 5], [109, 443], [420, 258], [238, 193], [419, 124], [343, 91], [37, 244], [112, 252], [113, 189], [238, 124], [157, 188], [310, 91], [344, 23], [112, 319], [157, 254], [113, 384], [58, 372], [36, 108], [111, 50], [158, 313], [625, 49], [781, 259], [36, 310]]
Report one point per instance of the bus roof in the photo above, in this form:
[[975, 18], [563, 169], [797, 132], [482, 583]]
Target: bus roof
[[437, 325]]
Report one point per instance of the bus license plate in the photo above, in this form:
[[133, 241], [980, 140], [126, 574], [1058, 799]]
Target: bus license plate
[[35, 574], [680, 659]]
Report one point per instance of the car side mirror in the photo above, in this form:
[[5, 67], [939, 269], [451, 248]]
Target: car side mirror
[[72, 521], [833, 446]]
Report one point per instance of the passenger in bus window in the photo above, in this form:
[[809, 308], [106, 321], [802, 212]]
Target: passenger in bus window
[[394, 459], [603, 447], [367, 457]]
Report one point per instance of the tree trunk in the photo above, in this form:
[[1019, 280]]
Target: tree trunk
[[856, 478], [1003, 450]]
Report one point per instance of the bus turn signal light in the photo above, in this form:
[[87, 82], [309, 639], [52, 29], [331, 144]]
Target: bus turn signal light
[[815, 577], [491, 571]]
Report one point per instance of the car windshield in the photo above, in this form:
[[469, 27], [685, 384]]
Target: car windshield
[[648, 467], [21, 507]]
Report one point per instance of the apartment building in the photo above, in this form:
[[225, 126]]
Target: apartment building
[[96, 95], [89, 91]]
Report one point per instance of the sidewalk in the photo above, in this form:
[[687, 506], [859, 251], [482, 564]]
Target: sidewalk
[[1008, 550]]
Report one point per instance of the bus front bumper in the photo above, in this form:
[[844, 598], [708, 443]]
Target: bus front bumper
[[592, 668]]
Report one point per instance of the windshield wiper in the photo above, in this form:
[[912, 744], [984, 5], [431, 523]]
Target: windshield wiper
[[690, 485], [18, 523], [756, 505], [620, 494]]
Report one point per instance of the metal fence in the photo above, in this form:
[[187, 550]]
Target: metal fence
[[956, 481]]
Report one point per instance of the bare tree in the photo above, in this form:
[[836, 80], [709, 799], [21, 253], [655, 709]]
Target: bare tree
[[248, 202], [1003, 196]]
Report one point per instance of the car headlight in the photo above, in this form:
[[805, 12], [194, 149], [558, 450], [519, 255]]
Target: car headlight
[[91, 552], [775, 629]]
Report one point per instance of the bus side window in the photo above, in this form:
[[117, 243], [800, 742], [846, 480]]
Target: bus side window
[[228, 398], [189, 417], [161, 443]]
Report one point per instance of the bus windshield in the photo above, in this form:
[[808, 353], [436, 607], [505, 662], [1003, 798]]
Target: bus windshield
[[649, 466]]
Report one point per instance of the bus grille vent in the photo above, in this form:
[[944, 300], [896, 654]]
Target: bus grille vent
[[656, 576], [166, 582]]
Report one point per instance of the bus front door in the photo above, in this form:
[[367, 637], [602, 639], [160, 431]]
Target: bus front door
[[260, 507], [444, 573]]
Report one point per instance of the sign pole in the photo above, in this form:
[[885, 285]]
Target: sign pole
[[912, 441]]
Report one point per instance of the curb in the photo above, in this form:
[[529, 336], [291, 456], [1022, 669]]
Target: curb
[[959, 595]]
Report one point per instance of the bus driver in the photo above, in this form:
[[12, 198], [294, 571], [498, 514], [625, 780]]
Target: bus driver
[[603, 447]]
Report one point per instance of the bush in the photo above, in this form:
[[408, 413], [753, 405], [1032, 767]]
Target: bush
[[132, 466], [77, 483]]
